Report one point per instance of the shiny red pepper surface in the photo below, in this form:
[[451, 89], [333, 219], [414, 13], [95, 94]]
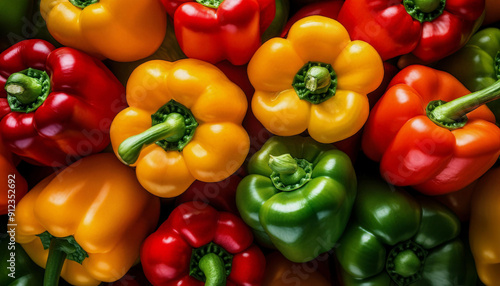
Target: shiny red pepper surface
[[56, 105], [172, 255]]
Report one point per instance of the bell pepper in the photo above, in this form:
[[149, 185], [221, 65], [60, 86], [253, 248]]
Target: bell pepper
[[430, 29], [283, 272], [16, 266], [215, 30], [460, 201], [56, 105], [87, 222], [183, 124], [201, 246], [477, 64], [428, 132], [396, 239], [220, 195], [279, 22], [324, 8], [298, 196], [484, 232], [315, 79], [121, 30]]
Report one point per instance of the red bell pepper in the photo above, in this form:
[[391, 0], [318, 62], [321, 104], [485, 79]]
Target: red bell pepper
[[56, 105], [430, 29], [13, 186], [325, 8], [200, 246], [424, 142], [214, 30]]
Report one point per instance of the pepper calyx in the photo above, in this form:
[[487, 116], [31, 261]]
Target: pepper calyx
[[27, 90], [82, 3], [72, 249], [289, 173], [315, 82], [424, 10], [205, 254], [405, 263]]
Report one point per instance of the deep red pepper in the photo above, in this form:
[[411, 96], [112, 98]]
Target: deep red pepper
[[172, 254], [430, 29], [68, 116], [214, 30]]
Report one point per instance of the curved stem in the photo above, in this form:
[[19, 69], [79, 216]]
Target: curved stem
[[453, 111], [171, 130], [25, 88], [213, 268], [58, 250]]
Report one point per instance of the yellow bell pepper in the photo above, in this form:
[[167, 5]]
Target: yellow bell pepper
[[94, 213], [121, 30], [484, 229], [193, 113], [315, 79]]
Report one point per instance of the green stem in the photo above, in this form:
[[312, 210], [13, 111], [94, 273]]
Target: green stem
[[83, 3], [210, 3], [315, 82], [213, 268], [407, 263], [318, 79], [452, 114], [171, 130], [427, 6], [424, 10], [286, 166], [58, 250], [25, 88]]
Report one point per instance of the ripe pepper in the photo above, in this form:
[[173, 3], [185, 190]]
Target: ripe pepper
[[279, 22], [283, 272], [16, 266], [396, 239], [14, 186], [477, 64], [424, 142], [315, 79], [298, 196], [215, 30], [484, 232], [121, 30], [56, 105], [200, 246], [86, 223], [183, 124], [430, 29]]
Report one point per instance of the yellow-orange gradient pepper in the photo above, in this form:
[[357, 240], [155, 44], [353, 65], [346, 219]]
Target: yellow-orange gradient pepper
[[183, 124], [121, 30], [484, 231], [94, 215], [315, 79]]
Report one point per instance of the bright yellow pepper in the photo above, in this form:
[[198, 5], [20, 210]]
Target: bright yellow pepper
[[193, 113], [315, 79], [121, 30], [96, 203], [484, 231]]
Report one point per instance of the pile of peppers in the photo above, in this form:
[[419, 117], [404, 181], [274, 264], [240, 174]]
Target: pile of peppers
[[250, 142]]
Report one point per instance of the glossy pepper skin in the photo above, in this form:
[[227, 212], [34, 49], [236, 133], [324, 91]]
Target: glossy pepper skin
[[213, 31], [69, 116], [430, 29], [477, 64], [173, 254], [14, 186], [396, 239], [16, 266], [415, 151], [483, 231], [120, 30], [316, 79], [298, 196], [201, 111], [96, 203]]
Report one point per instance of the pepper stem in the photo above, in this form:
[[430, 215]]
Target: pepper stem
[[286, 166], [427, 6], [58, 250], [82, 3], [210, 3], [213, 268], [424, 10], [171, 130], [452, 115], [407, 263], [318, 79], [25, 88]]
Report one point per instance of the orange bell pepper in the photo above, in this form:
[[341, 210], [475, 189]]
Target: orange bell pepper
[[315, 79], [183, 124], [484, 231], [14, 186], [121, 30], [96, 211]]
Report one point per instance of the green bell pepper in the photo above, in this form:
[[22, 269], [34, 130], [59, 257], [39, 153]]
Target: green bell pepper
[[279, 22], [395, 239], [16, 267], [477, 64], [298, 196]]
